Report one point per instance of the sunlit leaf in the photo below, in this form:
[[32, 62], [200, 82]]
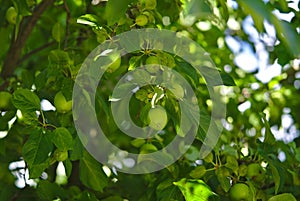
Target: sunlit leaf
[[88, 19], [196, 190]]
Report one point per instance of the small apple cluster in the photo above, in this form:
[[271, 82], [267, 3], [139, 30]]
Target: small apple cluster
[[145, 12]]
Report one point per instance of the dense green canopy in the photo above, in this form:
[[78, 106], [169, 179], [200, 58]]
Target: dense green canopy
[[238, 97]]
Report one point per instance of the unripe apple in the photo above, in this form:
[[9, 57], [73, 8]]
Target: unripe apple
[[152, 64], [114, 66], [178, 91], [60, 155], [5, 100], [255, 172], [148, 4], [283, 197], [141, 20], [61, 104], [158, 118], [11, 15], [153, 60], [239, 192]]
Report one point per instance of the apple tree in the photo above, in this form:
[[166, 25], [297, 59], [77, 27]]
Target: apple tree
[[49, 58]]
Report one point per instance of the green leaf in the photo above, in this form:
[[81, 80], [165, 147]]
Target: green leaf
[[7, 192], [113, 198], [67, 88], [115, 10], [166, 191], [187, 70], [269, 137], [252, 190], [37, 148], [288, 35], [88, 19], [227, 79], [196, 190], [30, 118], [58, 58], [232, 163], [91, 173], [27, 78], [259, 12], [49, 191], [223, 9], [68, 167], [196, 8], [223, 178], [35, 171], [198, 172], [77, 151], [213, 77], [26, 100], [276, 177], [58, 32], [22, 7], [138, 142], [62, 139], [87, 196]]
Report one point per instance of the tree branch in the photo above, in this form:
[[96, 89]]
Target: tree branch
[[29, 54], [27, 25]]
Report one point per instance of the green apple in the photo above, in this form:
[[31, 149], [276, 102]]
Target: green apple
[[167, 59], [11, 15], [158, 118], [141, 20], [239, 192], [61, 104], [152, 64], [114, 66], [177, 90], [60, 155], [153, 60], [283, 197], [148, 4], [255, 172], [5, 100]]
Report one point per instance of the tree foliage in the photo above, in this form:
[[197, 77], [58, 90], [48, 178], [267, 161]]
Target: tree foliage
[[45, 42]]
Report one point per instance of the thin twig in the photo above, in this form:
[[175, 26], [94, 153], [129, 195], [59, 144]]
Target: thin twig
[[68, 19], [29, 54]]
